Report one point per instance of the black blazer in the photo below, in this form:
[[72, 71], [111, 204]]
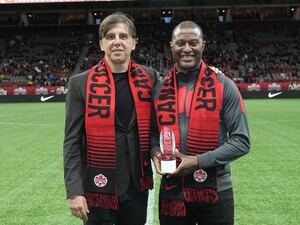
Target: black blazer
[[127, 141]]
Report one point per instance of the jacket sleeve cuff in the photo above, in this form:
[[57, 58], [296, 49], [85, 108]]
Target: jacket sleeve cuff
[[154, 150], [74, 191], [204, 160]]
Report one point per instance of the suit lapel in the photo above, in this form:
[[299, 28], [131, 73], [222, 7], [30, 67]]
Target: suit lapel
[[119, 124], [133, 120]]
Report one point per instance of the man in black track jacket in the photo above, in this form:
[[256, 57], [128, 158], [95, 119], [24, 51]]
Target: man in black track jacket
[[207, 115]]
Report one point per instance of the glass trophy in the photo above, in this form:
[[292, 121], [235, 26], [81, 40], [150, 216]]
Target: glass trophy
[[167, 147]]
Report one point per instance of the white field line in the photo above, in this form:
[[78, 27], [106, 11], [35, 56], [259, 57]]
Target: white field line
[[151, 201], [274, 121]]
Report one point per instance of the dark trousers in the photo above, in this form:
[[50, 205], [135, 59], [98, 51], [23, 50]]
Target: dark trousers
[[220, 214], [132, 211]]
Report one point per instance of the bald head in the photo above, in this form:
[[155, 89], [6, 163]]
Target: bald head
[[187, 25], [187, 46]]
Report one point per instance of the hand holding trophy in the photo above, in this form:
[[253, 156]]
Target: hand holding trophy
[[167, 147]]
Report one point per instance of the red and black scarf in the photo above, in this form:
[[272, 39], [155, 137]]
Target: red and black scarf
[[203, 136], [101, 132]]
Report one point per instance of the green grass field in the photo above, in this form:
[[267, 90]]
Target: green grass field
[[266, 182]]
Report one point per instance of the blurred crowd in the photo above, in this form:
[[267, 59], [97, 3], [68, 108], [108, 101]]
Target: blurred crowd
[[246, 54]]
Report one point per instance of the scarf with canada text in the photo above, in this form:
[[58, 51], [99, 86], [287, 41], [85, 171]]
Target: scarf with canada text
[[203, 136], [101, 132]]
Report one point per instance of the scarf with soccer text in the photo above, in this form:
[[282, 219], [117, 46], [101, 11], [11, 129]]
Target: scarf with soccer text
[[203, 136], [101, 132]]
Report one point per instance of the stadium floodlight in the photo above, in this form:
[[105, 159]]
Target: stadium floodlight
[[166, 15]]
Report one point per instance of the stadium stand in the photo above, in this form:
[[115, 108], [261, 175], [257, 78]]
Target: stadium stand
[[258, 49]]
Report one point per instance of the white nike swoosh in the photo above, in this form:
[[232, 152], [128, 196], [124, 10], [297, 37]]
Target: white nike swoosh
[[43, 99], [270, 95]]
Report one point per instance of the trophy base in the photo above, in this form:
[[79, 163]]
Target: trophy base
[[168, 166]]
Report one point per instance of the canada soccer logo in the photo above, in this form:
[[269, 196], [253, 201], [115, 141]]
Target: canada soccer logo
[[200, 176], [100, 180]]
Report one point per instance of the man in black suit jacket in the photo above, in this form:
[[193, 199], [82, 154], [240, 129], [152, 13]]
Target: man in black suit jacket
[[107, 134]]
